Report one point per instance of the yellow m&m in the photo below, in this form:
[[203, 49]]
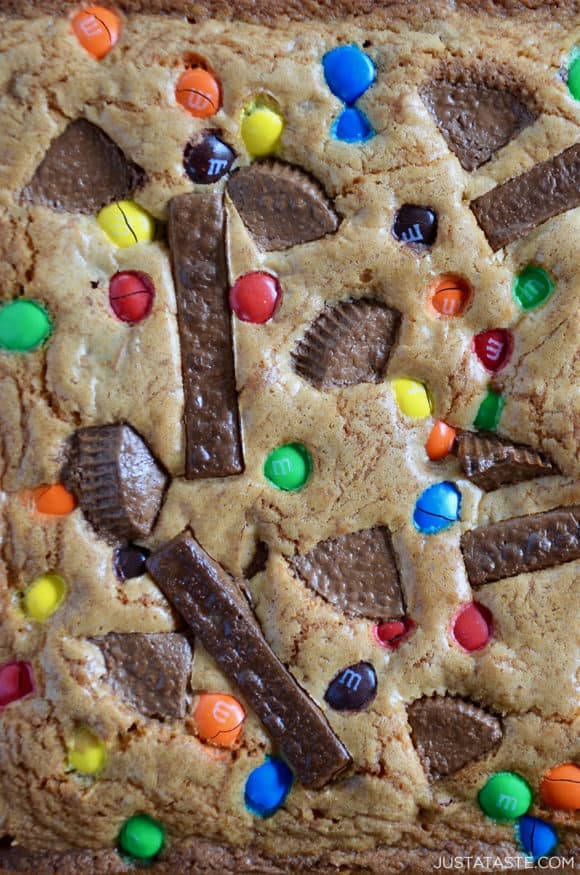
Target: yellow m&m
[[44, 596], [413, 398], [86, 753], [126, 223], [261, 130]]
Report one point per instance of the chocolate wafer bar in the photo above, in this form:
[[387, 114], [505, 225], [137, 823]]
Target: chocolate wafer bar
[[522, 544], [212, 604], [212, 424], [491, 461], [510, 211]]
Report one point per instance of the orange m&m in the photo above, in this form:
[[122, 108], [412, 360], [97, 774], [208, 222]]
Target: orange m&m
[[449, 294], [97, 30], [54, 500], [198, 92], [440, 441], [219, 719], [560, 787]]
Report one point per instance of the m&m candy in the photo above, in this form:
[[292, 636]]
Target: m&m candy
[[437, 508], [131, 294], [126, 223], [16, 682], [86, 752], [449, 294], [349, 72], [505, 796], [208, 159], [490, 411], [141, 837], [472, 627], [24, 326], [44, 596], [493, 348], [560, 787], [440, 441], [54, 500], [412, 398], [97, 30], [267, 787], [255, 297], [261, 129], [532, 287], [219, 719], [537, 838], [288, 467], [130, 561], [574, 74], [352, 126], [415, 224], [198, 92], [393, 633]]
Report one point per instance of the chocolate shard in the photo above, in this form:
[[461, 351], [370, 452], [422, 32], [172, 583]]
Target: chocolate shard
[[522, 544], [353, 688], [357, 573], [349, 343], [281, 205], [258, 562], [116, 480], [448, 733], [212, 604], [212, 425], [512, 210], [149, 671], [476, 118], [83, 171], [491, 461]]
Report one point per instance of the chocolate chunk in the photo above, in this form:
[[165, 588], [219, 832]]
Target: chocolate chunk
[[208, 159], [448, 733], [348, 343], [415, 224], [522, 544], [212, 426], [211, 602], [490, 461], [512, 210], [116, 480], [475, 118], [258, 561], [130, 561], [83, 171], [356, 573], [149, 672], [353, 689], [281, 205]]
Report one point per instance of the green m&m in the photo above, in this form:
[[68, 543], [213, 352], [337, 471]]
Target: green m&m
[[574, 74], [489, 413], [506, 796], [288, 467], [532, 287], [141, 837], [24, 325]]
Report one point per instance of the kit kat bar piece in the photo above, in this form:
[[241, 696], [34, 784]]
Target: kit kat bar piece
[[212, 604], [522, 544], [212, 425], [510, 211]]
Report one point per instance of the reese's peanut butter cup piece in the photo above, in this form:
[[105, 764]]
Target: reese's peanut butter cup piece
[[476, 118], [118, 483], [448, 733], [357, 573], [213, 605], [490, 461], [148, 671], [211, 417], [348, 343], [521, 544], [513, 209], [83, 171], [281, 205]]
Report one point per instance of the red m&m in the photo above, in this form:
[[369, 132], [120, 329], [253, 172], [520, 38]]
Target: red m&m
[[255, 297], [472, 626], [493, 348], [16, 681], [392, 634], [131, 295]]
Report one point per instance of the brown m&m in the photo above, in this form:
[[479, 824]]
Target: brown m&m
[[353, 688], [415, 224], [208, 159]]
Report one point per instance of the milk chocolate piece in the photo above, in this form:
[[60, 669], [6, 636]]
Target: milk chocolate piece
[[512, 210], [357, 573], [212, 427], [211, 602], [148, 671], [353, 689], [448, 733], [490, 461], [522, 544], [116, 480], [281, 205], [83, 171], [258, 562], [476, 118], [348, 343]]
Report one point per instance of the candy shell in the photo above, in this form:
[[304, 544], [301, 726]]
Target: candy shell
[[440, 441], [472, 627], [532, 287], [392, 634], [288, 467], [505, 796], [126, 223], [97, 30], [412, 398], [198, 92], [437, 508], [352, 126], [86, 752], [493, 348], [141, 837], [54, 500], [560, 787], [574, 74], [255, 297], [16, 682], [44, 596], [349, 72], [490, 411], [449, 294], [219, 719], [130, 560], [261, 130], [131, 294], [537, 838], [24, 325], [267, 787]]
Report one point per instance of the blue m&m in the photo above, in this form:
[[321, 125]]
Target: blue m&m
[[537, 838], [437, 508], [349, 72], [267, 787], [352, 126]]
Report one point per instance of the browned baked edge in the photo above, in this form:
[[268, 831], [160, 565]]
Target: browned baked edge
[[265, 11]]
